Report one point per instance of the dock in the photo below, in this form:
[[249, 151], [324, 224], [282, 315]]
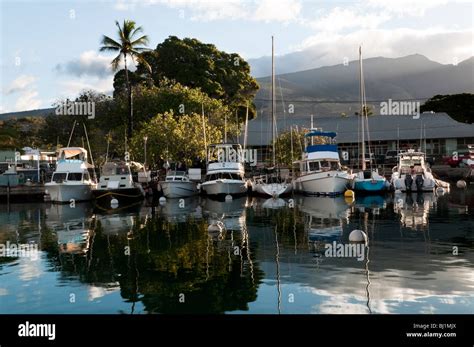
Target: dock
[[22, 193]]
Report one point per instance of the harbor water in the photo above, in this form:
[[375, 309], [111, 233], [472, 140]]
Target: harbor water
[[248, 255]]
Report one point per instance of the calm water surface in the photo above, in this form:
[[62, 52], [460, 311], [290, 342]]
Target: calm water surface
[[264, 256]]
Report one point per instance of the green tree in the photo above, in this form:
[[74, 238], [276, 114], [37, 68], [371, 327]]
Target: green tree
[[221, 75], [458, 106], [128, 45], [175, 138], [284, 146]]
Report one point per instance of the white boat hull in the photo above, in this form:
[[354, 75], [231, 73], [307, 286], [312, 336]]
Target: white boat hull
[[65, 193], [176, 189], [324, 183], [224, 187]]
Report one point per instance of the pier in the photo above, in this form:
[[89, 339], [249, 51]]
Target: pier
[[22, 193]]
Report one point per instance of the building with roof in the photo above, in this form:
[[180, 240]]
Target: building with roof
[[438, 134]]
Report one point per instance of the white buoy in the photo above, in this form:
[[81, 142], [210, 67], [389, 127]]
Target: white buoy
[[357, 236], [461, 184], [162, 200], [228, 198], [114, 203]]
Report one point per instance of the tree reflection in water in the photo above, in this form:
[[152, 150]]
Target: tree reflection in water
[[168, 267]]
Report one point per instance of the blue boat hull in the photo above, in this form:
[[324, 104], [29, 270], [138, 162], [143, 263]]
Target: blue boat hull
[[370, 186]]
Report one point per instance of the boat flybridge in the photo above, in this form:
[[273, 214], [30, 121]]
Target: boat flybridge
[[71, 180], [412, 173], [225, 170], [320, 169]]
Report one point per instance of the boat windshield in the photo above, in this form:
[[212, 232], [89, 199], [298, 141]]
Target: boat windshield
[[323, 165], [224, 175], [175, 176], [74, 176], [59, 177], [110, 169], [411, 161]]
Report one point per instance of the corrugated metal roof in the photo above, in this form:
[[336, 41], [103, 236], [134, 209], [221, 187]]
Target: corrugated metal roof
[[382, 127]]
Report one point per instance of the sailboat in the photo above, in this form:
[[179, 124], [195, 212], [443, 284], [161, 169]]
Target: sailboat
[[366, 180], [271, 184]]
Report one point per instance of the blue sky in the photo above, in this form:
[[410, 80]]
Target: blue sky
[[49, 49]]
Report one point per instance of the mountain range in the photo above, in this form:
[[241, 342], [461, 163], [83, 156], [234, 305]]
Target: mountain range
[[332, 90], [335, 89]]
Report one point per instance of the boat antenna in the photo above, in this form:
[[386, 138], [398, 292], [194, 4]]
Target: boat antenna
[[362, 109], [291, 143], [273, 103], [203, 126], [421, 136], [89, 147], [108, 143], [246, 126], [72, 132], [225, 128]]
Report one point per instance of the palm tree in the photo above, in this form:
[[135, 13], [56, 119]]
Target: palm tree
[[127, 46]]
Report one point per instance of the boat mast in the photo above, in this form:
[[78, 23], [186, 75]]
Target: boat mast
[[362, 108], [273, 103]]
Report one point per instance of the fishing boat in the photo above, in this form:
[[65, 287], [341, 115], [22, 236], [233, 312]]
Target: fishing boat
[[224, 170], [271, 184], [320, 171], [71, 180], [177, 184], [367, 179], [116, 185], [412, 173]]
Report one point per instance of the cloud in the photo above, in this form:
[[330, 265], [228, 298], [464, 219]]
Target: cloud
[[339, 19], [406, 7], [20, 84], [210, 10], [89, 63], [391, 44], [24, 88], [278, 11], [73, 87], [28, 100]]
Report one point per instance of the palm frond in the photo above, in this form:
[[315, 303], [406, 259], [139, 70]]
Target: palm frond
[[136, 31], [120, 32], [143, 40], [116, 62], [128, 26], [110, 43], [139, 58]]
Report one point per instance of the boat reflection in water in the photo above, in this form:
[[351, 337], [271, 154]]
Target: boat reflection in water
[[180, 210], [324, 217], [273, 203], [230, 213], [414, 209], [72, 225], [373, 203]]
